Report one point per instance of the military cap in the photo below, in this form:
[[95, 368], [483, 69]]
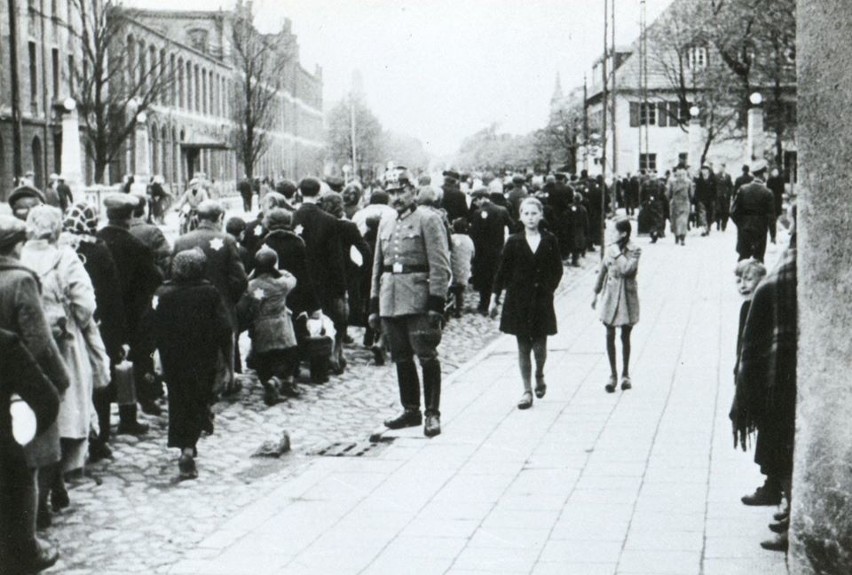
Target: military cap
[[451, 174], [758, 166], [120, 205], [209, 210], [25, 192], [12, 231]]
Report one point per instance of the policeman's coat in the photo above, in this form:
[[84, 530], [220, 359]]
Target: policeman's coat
[[411, 267]]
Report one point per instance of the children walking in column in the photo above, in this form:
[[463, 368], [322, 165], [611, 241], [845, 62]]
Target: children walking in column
[[619, 302], [530, 271]]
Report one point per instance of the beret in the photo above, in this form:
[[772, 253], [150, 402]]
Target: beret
[[12, 230]]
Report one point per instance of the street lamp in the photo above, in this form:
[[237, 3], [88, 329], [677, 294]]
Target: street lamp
[[69, 104], [756, 99], [694, 111], [141, 117]]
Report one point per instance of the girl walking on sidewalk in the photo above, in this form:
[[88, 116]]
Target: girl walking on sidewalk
[[530, 271], [619, 300]]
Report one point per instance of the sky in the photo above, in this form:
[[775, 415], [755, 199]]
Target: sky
[[441, 70]]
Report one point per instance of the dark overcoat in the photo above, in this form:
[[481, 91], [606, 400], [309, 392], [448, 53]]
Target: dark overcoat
[[138, 275], [321, 233], [224, 267], [487, 233], [293, 257], [577, 224], [454, 203], [189, 325], [529, 280]]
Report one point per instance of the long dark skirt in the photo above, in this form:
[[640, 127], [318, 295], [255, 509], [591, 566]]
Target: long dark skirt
[[189, 398]]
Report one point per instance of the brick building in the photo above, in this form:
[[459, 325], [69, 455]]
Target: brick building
[[189, 124]]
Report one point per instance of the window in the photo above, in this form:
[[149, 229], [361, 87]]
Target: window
[[33, 76], [54, 56], [642, 114], [71, 75], [682, 158], [697, 57], [648, 162], [198, 39]]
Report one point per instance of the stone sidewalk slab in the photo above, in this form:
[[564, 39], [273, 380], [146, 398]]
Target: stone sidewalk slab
[[586, 482]]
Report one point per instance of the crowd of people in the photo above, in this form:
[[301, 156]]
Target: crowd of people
[[99, 312]]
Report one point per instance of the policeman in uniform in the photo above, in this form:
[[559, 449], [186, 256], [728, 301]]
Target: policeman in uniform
[[411, 275]]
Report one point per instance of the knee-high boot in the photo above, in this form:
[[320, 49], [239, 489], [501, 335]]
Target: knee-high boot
[[432, 386], [409, 385]]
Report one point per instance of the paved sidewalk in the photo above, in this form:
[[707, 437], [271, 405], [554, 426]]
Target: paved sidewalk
[[645, 481]]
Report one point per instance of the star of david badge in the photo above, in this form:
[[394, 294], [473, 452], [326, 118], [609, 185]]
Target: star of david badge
[[155, 301], [258, 230], [259, 293], [217, 244], [484, 215], [298, 230]]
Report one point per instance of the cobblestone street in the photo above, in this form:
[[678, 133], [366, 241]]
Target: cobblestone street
[[131, 515]]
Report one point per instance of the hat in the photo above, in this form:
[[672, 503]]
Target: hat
[[451, 174], [193, 182], [278, 219], [25, 192], [479, 192], [235, 226], [379, 197], [518, 179], [266, 262], [335, 183], [758, 165], [12, 231], [396, 178], [120, 206], [80, 219], [188, 265], [53, 176]]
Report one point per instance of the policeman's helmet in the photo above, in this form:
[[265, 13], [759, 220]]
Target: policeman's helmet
[[398, 178]]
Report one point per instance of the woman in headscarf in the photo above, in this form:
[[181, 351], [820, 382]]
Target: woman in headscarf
[[189, 325], [78, 232], [68, 299]]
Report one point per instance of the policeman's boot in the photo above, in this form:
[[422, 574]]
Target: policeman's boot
[[432, 397], [409, 396]]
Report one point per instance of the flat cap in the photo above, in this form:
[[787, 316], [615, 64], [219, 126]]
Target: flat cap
[[12, 231], [25, 192], [120, 205]]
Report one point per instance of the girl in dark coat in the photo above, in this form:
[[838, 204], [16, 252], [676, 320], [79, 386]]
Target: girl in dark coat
[[190, 326], [530, 271]]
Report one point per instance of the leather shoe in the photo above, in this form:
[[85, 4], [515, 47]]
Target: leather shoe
[[780, 543], [781, 515], [186, 465], [433, 426], [763, 495], [132, 428], [780, 527], [408, 418], [99, 450]]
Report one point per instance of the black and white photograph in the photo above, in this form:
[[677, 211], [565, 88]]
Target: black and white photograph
[[449, 287]]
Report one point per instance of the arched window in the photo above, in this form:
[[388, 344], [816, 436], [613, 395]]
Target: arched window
[[203, 91], [163, 169], [181, 87], [197, 89], [190, 89], [142, 68], [38, 163], [131, 59], [154, 152], [173, 88]]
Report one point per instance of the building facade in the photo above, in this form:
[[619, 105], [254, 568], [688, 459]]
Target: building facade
[[190, 122], [650, 123]]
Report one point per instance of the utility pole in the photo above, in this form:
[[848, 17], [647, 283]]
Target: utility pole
[[614, 104], [644, 75], [602, 223], [17, 164], [352, 127]]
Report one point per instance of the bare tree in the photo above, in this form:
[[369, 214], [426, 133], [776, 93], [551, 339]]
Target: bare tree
[[261, 62], [113, 81], [683, 53], [558, 142], [369, 138]]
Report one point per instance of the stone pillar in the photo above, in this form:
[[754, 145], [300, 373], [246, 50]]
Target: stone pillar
[[821, 536], [72, 155], [142, 157], [754, 135], [696, 143]]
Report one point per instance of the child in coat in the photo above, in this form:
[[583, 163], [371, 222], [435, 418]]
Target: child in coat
[[263, 309], [530, 271], [619, 299], [461, 258], [749, 273]]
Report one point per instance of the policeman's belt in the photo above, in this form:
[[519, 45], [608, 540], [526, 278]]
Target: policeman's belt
[[406, 269]]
